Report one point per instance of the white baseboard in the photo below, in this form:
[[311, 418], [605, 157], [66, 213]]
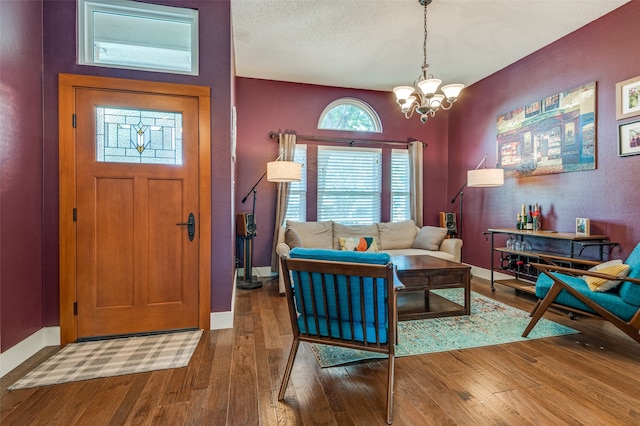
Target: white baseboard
[[16, 355], [486, 274], [223, 320]]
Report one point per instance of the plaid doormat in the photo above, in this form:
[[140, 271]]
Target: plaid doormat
[[114, 357]]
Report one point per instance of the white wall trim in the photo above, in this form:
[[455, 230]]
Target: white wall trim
[[486, 274], [16, 355], [221, 320]]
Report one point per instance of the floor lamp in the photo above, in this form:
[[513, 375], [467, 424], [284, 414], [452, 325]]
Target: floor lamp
[[277, 171], [479, 178]]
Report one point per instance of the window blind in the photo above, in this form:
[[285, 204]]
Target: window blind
[[349, 184], [400, 190]]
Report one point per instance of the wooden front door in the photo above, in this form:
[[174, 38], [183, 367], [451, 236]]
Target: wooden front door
[[137, 216]]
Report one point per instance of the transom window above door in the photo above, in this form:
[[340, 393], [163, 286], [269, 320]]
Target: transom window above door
[[350, 114], [136, 35]]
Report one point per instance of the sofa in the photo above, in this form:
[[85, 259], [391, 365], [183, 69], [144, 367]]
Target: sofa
[[395, 238]]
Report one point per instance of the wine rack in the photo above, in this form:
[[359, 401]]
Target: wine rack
[[564, 247]]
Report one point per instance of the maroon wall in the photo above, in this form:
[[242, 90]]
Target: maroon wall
[[21, 307], [265, 106], [602, 51]]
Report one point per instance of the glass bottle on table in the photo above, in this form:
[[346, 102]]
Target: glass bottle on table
[[537, 218], [530, 219]]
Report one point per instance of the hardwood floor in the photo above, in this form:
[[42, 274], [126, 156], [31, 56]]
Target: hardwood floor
[[592, 378]]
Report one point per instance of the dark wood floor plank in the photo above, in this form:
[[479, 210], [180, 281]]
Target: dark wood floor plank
[[203, 373], [502, 369], [563, 406], [270, 324], [591, 392], [314, 406], [171, 414], [101, 409], [139, 382], [412, 404], [243, 389], [148, 399], [26, 412], [220, 381], [530, 410]]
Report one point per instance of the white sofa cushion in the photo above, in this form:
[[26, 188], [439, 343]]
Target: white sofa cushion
[[430, 238], [396, 235], [314, 234], [292, 238]]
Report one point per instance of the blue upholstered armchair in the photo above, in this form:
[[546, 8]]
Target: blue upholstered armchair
[[342, 298], [582, 290]]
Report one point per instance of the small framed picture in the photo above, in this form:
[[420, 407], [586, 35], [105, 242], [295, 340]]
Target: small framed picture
[[629, 138], [627, 102], [583, 226]]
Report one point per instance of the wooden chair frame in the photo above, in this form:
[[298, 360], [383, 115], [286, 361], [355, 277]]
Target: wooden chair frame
[[298, 267], [630, 328]]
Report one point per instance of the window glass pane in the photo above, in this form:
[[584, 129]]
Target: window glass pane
[[350, 114], [135, 35], [297, 205], [138, 136], [400, 189], [349, 184]]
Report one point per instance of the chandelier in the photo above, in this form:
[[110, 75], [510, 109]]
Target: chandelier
[[422, 97]]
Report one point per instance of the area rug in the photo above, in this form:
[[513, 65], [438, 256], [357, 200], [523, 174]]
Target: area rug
[[113, 357], [490, 323]]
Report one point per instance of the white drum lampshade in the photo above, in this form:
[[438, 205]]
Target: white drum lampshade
[[284, 171], [482, 178]]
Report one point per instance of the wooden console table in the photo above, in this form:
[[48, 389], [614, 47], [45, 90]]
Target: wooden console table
[[551, 243]]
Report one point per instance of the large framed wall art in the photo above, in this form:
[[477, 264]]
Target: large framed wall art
[[555, 134]]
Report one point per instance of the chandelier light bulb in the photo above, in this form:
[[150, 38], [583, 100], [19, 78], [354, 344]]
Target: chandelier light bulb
[[403, 92], [408, 104], [436, 101], [451, 91], [422, 97], [429, 86]]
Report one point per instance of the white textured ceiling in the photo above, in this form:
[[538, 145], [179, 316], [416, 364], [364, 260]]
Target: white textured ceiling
[[377, 44]]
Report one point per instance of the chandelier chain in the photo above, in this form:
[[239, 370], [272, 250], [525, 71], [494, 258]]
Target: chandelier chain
[[424, 42]]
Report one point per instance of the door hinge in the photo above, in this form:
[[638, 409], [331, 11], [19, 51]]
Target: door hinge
[[73, 120], [75, 308], [75, 214]]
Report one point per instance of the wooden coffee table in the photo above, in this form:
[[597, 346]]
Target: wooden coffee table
[[424, 273]]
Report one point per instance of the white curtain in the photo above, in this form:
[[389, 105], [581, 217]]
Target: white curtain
[[286, 148], [415, 181]]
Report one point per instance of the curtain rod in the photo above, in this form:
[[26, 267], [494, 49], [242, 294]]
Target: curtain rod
[[350, 141]]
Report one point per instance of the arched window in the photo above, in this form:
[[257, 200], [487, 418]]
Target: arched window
[[350, 114]]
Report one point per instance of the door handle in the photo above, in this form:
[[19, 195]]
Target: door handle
[[191, 226]]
